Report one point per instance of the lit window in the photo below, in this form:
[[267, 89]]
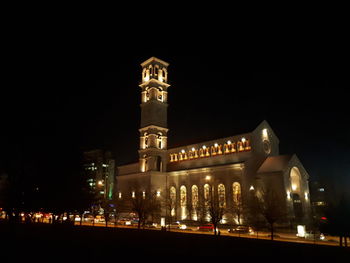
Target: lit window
[[321, 189], [264, 134]]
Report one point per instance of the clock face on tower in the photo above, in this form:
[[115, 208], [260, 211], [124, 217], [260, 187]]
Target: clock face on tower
[[266, 146]]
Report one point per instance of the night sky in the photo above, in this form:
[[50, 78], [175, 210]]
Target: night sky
[[65, 95]]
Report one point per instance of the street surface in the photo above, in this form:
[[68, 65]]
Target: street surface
[[284, 237]]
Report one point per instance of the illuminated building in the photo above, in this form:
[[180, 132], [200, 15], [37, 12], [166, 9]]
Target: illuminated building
[[99, 172], [230, 167]]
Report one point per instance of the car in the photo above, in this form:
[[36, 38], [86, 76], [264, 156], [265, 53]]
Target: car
[[314, 235], [206, 227], [177, 225], [241, 230]]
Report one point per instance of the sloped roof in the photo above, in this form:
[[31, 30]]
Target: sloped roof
[[275, 164]]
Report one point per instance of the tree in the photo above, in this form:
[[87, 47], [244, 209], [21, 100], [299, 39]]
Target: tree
[[170, 205], [271, 208], [253, 210], [144, 204], [237, 208], [216, 210]]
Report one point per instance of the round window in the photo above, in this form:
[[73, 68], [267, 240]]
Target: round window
[[266, 146]]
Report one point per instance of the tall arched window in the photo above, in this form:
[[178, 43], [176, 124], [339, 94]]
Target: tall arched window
[[183, 201], [221, 195], [295, 179], [172, 200], [195, 196], [206, 194], [195, 202], [236, 188]]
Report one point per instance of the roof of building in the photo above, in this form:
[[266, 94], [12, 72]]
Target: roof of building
[[275, 164]]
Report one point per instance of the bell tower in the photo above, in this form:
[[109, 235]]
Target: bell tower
[[153, 130]]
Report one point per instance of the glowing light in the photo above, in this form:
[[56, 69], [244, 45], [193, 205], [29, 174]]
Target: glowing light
[[264, 134], [301, 231], [294, 187], [204, 147], [158, 193], [306, 196], [288, 194], [251, 188], [208, 177], [243, 139], [216, 145], [229, 142], [193, 149], [100, 182], [183, 151]]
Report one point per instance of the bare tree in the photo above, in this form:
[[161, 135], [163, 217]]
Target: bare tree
[[271, 208], [253, 213], [144, 204], [170, 206], [216, 210], [237, 209]]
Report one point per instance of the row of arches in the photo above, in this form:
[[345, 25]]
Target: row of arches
[[153, 141], [156, 72], [216, 149], [193, 202]]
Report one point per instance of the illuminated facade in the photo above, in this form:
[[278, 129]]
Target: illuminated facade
[[230, 167]]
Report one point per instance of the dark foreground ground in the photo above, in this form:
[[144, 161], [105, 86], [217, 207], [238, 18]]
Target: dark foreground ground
[[51, 243]]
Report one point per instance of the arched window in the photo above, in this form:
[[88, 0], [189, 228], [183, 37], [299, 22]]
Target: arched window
[[159, 140], [183, 201], [221, 195], [206, 194], [295, 179], [195, 203], [164, 75], [172, 200], [195, 196], [236, 188], [146, 140]]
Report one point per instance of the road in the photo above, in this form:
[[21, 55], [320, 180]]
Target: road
[[283, 237]]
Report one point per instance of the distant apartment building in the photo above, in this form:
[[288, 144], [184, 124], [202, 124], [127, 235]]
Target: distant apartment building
[[319, 200], [99, 171]]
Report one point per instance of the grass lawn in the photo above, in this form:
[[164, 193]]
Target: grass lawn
[[48, 243]]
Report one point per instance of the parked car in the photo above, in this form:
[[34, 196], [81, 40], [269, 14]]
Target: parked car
[[241, 230], [177, 225], [207, 227], [314, 235]]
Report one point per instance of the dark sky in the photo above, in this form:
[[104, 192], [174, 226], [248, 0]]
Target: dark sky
[[66, 93]]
